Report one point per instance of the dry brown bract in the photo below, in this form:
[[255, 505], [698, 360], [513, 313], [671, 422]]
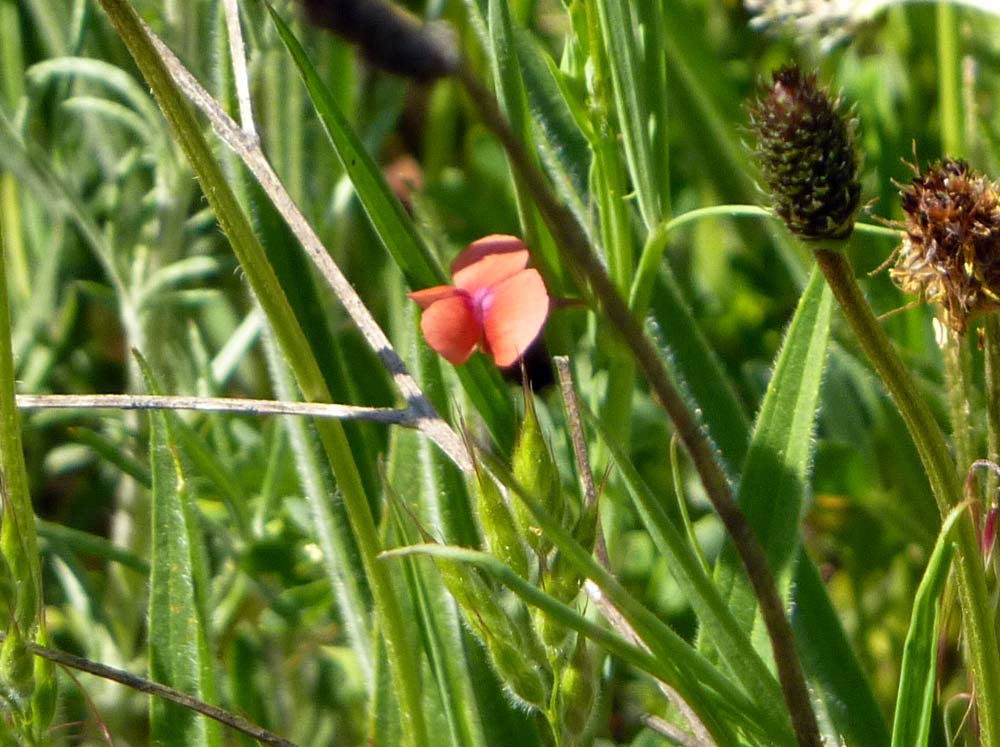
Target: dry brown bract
[[951, 252]]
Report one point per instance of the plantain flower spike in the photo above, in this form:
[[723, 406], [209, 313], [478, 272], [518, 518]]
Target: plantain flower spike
[[807, 155], [951, 248]]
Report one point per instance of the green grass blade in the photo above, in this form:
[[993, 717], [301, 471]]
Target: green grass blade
[[179, 653], [918, 677], [696, 366], [717, 621], [775, 475], [405, 673], [831, 664], [625, 64]]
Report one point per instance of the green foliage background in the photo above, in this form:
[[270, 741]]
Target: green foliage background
[[111, 248]]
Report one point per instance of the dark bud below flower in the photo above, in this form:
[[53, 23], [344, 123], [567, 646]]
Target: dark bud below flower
[[807, 156]]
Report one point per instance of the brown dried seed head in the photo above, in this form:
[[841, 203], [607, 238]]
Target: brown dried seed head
[[951, 251]]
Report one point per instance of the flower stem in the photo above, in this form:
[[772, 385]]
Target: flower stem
[[944, 481], [577, 253]]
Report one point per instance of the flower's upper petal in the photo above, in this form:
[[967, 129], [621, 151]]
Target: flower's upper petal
[[451, 328], [427, 296], [515, 317], [489, 261]]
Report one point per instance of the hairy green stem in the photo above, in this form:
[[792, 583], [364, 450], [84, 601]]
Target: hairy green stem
[[19, 540], [944, 480], [576, 251], [991, 359], [403, 662]]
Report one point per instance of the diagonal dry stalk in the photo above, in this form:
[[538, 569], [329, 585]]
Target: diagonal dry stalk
[[245, 143]]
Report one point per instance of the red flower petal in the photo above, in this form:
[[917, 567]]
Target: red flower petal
[[427, 296], [489, 261], [451, 329], [516, 316]]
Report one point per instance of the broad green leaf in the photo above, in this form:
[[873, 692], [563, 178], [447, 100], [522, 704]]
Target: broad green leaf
[[918, 677], [774, 482]]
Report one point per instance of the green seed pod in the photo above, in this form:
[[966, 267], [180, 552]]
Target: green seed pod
[[16, 669], [43, 699], [524, 679], [577, 690], [502, 536], [535, 469], [807, 156], [519, 664]]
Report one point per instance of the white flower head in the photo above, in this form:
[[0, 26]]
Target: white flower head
[[832, 21]]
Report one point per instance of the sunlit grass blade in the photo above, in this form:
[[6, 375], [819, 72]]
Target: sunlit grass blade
[[774, 481], [625, 64], [718, 622], [918, 679]]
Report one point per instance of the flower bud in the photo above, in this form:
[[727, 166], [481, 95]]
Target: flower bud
[[807, 156], [503, 539], [577, 690], [535, 470], [16, 669]]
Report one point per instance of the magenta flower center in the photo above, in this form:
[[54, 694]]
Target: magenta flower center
[[482, 300]]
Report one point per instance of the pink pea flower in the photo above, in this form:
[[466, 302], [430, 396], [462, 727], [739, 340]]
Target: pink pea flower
[[497, 304]]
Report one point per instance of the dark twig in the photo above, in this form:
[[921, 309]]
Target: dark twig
[[160, 691]]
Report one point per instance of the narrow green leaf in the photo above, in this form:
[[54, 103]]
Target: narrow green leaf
[[513, 101], [697, 368], [179, 653], [722, 628], [918, 675], [775, 475], [625, 64], [831, 664]]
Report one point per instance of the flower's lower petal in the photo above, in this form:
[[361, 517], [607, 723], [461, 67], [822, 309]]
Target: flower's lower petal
[[427, 296], [451, 329], [489, 261], [516, 316]]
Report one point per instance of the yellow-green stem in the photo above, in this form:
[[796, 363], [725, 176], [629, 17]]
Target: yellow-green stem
[[944, 480]]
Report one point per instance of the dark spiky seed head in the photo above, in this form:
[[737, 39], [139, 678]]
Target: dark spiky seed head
[[805, 147], [951, 250]]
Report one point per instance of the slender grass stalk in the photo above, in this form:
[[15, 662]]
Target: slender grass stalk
[[576, 251], [19, 538], [958, 386], [949, 94], [991, 357], [402, 659], [945, 484]]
